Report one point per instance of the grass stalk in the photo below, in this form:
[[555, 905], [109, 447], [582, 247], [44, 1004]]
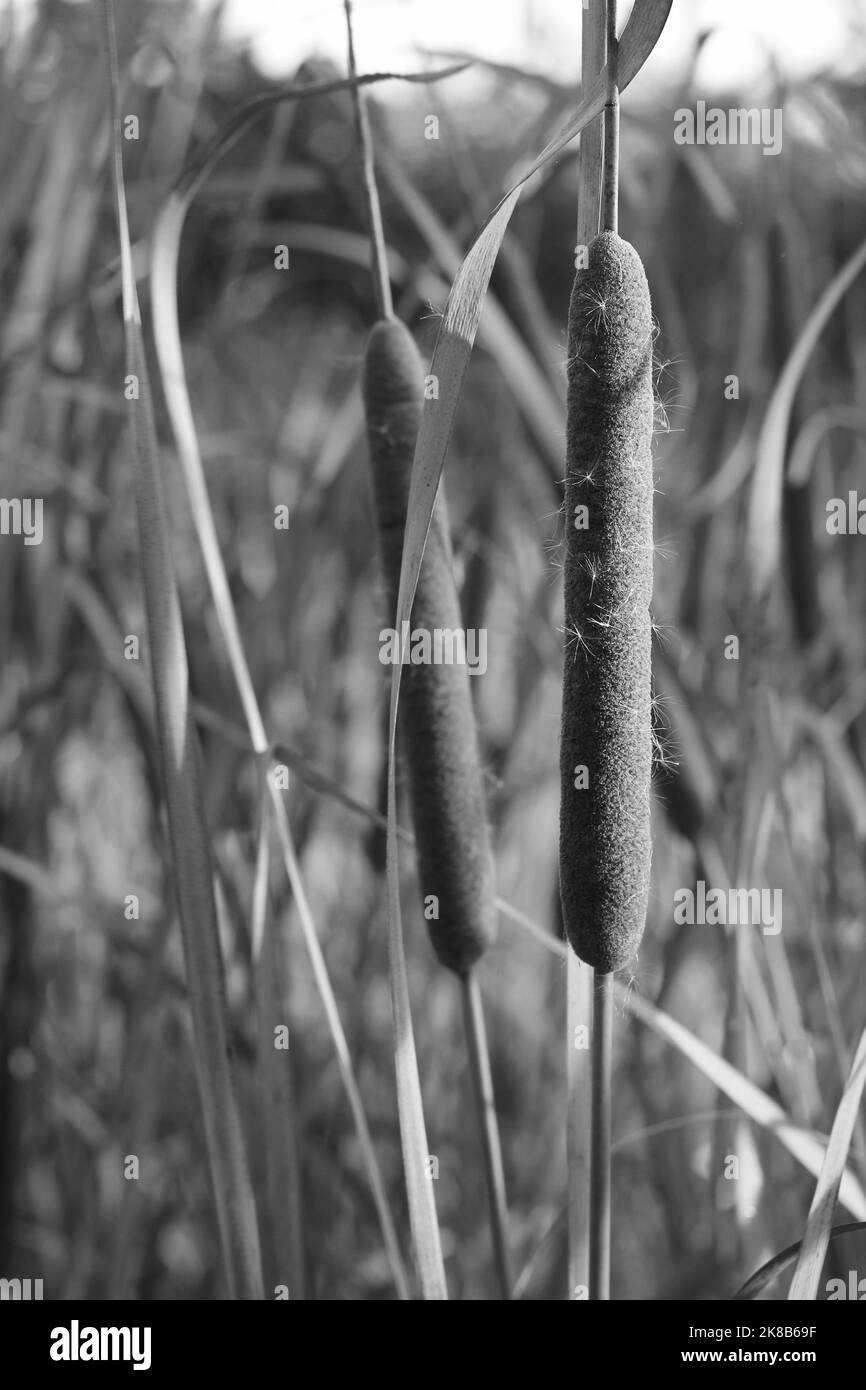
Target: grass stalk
[[283, 1237], [482, 1089], [168, 343], [610, 196], [579, 978], [578, 1137], [181, 777], [600, 1167], [381, 278]]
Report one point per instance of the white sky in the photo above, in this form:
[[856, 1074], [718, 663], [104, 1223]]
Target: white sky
[[544, 34], [802, 35]]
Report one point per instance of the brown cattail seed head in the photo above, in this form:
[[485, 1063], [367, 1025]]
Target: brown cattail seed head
[[606, 750], [445, 781]]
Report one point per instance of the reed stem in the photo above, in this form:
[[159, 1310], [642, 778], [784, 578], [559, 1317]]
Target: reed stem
[[482, 1087], [379, 266], [579, 981], [610, 195], [599, 1201]]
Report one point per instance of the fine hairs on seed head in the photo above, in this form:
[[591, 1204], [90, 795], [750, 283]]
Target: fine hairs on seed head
[[607, 738]]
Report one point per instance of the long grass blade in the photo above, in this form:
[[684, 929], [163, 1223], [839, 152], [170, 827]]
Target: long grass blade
[[482, 1085], [283, 1235], [199, 166], [180, 768], [465, 302], [807, 1148], [764, 524], [813, 1250], [166, 245], [763, 1277], [538, 402]]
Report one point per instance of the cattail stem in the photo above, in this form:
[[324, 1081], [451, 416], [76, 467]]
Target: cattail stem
[[381, 277], [482, 1087], [599, 1200], [578, 976], [610, 196], [578, 1134]]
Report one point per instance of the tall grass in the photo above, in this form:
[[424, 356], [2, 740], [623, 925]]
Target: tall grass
[[126, 784], [180, 767]]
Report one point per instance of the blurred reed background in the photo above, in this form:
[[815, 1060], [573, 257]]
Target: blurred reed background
[[95, 1055]]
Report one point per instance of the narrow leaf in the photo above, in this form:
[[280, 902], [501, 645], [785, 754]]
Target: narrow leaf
[[200, 165], [805, 1147], [465, 302], [813, 1251], [277, 1111], [764, 524], [180, 768], [166, 245], [763, 1277]]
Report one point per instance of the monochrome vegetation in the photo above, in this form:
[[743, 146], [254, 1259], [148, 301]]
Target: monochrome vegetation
[[433, 676]]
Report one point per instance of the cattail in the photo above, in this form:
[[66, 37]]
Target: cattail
[[452, 848], [445, 781], [606, 751]]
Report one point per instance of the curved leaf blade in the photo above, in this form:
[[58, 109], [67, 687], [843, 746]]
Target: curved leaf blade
[[813, 1248], [764, 522], [763, 1277], [179, 762]]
